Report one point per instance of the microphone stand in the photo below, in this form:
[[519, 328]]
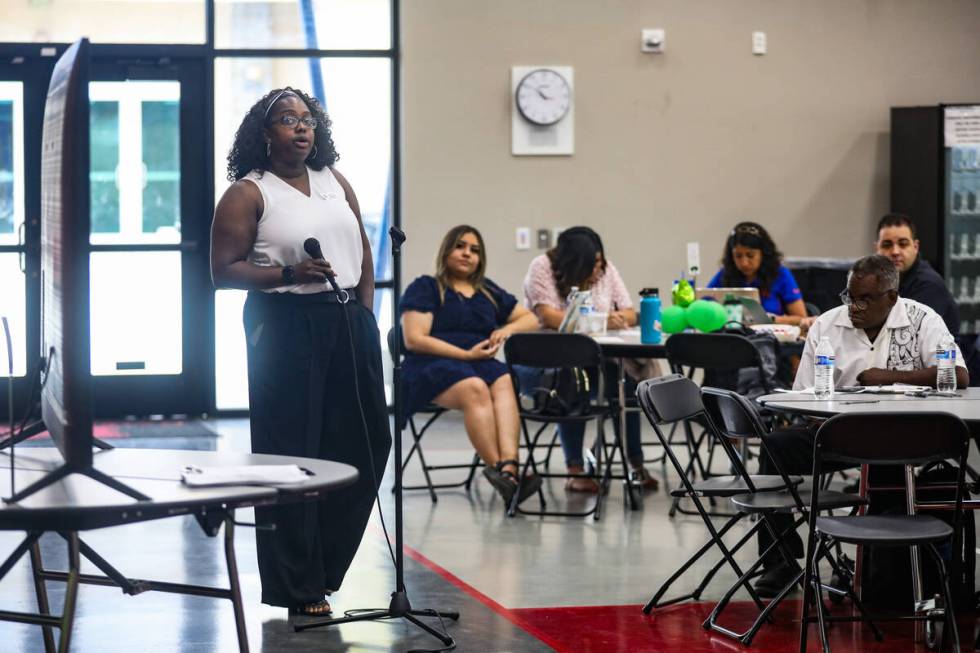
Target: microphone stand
[[400, 607]]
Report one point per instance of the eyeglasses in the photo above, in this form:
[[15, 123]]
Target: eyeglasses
[[861, 303], [289, 120]]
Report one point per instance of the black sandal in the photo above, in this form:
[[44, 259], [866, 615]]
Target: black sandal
[[502, 480], [315, 609]]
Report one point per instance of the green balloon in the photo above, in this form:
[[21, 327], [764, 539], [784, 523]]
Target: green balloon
[[706, 316], [719, 317], [673, 319]]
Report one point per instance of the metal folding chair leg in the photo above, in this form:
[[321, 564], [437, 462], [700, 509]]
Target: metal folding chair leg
[[655, 601], [950, 616]]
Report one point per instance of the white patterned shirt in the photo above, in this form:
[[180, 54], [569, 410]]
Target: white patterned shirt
[[906, 342]]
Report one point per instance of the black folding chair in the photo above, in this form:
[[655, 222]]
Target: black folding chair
[[672, 399], [554, 351], [711, 353], [737, 418], [432, 413], [886, 439]]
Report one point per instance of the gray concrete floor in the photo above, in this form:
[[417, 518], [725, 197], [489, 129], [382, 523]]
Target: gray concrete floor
[[523, 562]]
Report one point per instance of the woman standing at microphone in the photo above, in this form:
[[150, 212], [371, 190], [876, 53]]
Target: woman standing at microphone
[[303, 399]]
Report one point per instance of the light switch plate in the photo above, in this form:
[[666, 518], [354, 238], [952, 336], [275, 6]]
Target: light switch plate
[[693, 259], [759, 45], [523, 238], [544, 238]]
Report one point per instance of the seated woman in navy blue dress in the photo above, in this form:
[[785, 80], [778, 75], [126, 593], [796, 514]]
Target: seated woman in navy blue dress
[[454, 323], [751, 260]]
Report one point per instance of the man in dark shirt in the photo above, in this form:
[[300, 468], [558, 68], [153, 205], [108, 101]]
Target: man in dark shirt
[[917, 279]]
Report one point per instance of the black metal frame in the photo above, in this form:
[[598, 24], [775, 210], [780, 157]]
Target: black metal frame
[[695, 463], [748, 423], [197, 393], [658, 420], [864, 454], [210, 522], [433, 413], [598, 411]]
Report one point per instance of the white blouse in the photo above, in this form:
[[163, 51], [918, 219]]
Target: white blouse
[[290, 217]]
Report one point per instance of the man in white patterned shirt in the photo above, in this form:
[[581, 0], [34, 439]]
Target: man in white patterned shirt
[[878, 338]]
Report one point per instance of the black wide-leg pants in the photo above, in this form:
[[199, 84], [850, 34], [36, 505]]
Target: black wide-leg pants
[[302, 402]]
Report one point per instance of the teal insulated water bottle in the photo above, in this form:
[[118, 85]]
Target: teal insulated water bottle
[[650, 316]]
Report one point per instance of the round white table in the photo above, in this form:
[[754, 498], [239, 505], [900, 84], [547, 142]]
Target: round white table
[[966, 406]]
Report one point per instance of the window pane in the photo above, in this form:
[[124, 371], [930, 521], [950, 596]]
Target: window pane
[[104, 160], [13, 307], [136, 313], [305, 24], [11, 161], [103, 21], [231, 365], [357, 97], [135, 176], [161, 156]]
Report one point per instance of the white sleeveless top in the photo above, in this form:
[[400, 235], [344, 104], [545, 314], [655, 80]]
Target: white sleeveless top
[[290, 217]]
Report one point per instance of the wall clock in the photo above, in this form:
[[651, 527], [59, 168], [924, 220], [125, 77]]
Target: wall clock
[[542, 110]]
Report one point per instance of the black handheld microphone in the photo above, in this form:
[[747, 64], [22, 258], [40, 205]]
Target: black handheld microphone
[[312, 247]]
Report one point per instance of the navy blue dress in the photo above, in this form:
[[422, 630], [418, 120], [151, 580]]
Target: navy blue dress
[[460, 321]]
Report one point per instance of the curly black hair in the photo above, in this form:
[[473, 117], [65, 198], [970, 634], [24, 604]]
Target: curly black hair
[[753, 236], [248, 152]]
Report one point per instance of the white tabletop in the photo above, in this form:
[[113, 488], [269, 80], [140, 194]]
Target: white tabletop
[[81, 503], [966, 406]]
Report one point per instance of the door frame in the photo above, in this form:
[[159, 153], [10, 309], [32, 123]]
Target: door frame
[[187, 393], [33, 72]]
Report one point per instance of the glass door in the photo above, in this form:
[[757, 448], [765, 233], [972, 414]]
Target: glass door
[[149, 276], [23, 85]]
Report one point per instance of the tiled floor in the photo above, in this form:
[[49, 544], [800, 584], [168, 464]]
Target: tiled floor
[[525, 584]]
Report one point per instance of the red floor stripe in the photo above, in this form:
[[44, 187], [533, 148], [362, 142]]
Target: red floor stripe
[[605, 629], [474, 593]]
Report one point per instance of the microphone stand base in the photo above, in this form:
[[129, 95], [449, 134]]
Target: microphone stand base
[[399, 608]]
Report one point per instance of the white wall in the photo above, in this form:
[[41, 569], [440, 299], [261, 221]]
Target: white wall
[[672, 147]]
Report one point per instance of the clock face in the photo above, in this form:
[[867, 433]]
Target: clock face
[[543, 96]]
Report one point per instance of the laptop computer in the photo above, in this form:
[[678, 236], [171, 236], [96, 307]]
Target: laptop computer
[[752, 310]]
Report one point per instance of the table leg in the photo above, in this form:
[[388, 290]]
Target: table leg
[[630, 486], [71, 593], [920, 626], [41, 592], [235, 587]]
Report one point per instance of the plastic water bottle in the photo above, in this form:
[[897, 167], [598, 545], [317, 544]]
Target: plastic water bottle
[[585, 311], [650, 316], [946, 365], [571, 295], [823, 370]]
